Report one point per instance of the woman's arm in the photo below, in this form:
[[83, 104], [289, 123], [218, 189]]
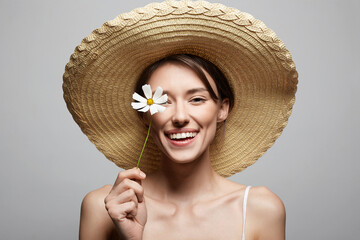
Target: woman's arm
[[95, 222], [267, 214]]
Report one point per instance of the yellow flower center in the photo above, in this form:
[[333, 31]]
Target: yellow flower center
[[150, 101]]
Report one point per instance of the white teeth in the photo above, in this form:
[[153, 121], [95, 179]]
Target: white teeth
[[182, 135]]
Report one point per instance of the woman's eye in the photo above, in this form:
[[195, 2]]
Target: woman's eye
[[197, 100]]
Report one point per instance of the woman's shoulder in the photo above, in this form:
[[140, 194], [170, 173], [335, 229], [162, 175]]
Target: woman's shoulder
[[262, 198], [265, 202], [97, 195], [262, 203], [265, 213], [93, 201], [95, 222]]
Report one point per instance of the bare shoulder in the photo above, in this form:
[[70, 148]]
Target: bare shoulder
[[95, 222], [96, 197], [265, 203], [266, 213], [93, 203]]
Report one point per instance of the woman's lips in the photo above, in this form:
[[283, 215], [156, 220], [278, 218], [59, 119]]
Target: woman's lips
[[181, 142], [181, 137], [181, 130]]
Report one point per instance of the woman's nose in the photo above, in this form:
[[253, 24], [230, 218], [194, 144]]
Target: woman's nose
[[181, 116]]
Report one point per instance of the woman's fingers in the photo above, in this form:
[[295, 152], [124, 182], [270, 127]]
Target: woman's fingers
[[127, 188], [127, 196], [122, 205], [121, 201], [126, 204], [134, 173], [121, 211], [125, 184]]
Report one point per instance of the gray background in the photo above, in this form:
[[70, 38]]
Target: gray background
[[48, 165]]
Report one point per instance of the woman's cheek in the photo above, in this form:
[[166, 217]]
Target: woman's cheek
[[207, 114]]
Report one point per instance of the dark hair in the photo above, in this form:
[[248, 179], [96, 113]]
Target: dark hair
[[196, 64]]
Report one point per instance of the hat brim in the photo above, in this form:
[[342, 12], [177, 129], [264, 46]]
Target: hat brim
[[100, 78]]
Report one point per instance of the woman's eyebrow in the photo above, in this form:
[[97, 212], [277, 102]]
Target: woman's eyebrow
[[190, 91], [195, 90]]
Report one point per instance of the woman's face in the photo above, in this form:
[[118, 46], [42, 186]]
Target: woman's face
[[186, 128]]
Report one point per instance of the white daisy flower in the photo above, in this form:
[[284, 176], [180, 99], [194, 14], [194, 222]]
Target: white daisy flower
[[150, 102]]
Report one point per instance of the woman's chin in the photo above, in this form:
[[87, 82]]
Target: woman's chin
[[182, 152], [181, 157]]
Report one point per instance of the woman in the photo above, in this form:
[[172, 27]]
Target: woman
[[183, 194]]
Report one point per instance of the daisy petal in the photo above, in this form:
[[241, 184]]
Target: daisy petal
[[160, 108], [139, 98], [157, 93], [147, 91], [138, 105], [145, 109], [161, 99], [153, 109]]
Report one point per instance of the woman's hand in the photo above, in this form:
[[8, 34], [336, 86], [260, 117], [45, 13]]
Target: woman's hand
[[126, 204]]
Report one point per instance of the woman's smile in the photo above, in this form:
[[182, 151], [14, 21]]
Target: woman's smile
[[181, 137]]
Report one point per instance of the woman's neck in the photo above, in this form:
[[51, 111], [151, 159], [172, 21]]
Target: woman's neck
[[183, 183]]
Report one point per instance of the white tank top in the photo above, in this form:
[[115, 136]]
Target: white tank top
[[244, 210]]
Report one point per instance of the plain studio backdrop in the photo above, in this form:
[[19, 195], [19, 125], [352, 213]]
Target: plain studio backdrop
[[48, 164]]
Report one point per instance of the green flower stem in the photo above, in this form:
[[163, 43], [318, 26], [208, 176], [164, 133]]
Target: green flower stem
[[137, 166]]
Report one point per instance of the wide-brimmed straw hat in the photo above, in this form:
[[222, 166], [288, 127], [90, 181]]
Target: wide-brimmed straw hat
[[100, 78]]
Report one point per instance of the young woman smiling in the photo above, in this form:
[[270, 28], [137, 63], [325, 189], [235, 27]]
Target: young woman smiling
[[224, 110], [185, 198]]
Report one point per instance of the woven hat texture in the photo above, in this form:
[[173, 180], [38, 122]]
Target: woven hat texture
[[100, 78]]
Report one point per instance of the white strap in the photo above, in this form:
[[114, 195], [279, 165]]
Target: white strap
[[244, 210]]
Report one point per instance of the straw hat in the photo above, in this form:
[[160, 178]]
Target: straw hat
[[100, 78]]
